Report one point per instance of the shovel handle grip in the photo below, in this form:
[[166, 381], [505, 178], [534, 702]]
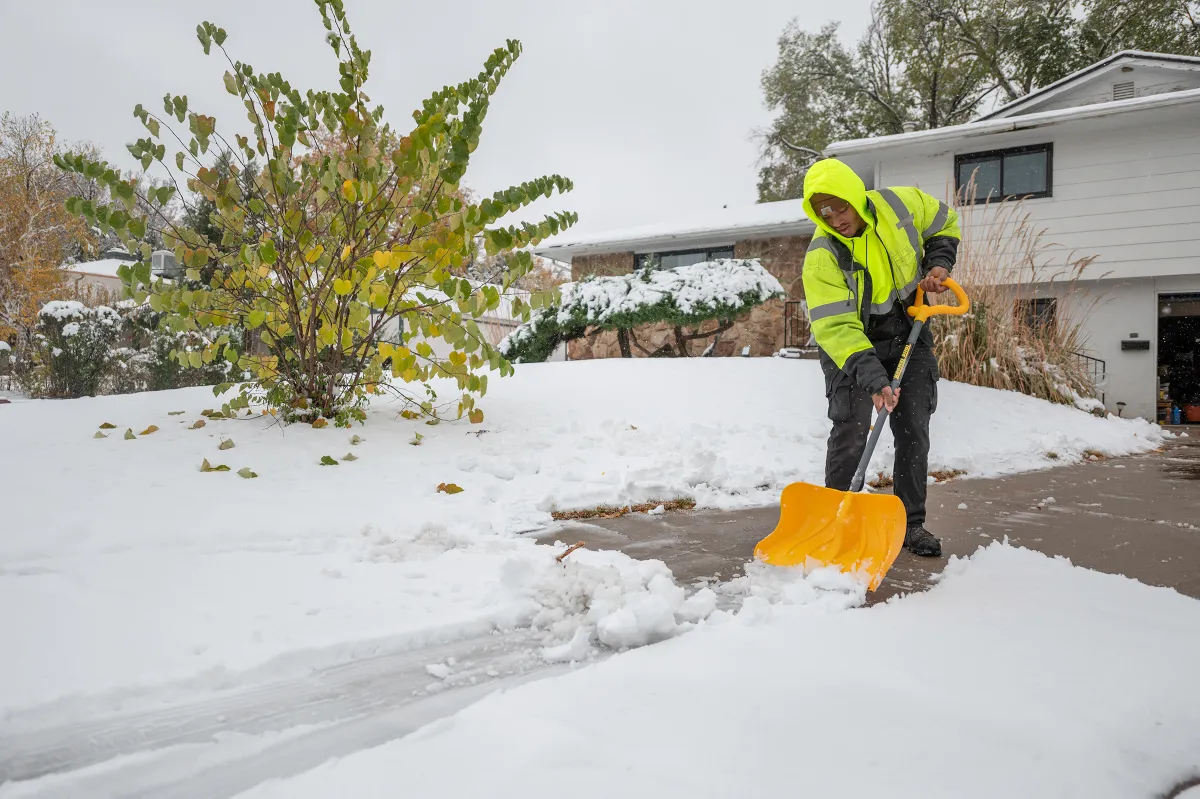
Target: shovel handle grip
[[919, 310]]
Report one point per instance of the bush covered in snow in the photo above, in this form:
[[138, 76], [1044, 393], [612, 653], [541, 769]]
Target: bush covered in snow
[[75, 348], [684, 297], [81, 351]]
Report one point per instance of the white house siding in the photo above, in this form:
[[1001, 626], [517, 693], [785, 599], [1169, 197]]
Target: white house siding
[[1147, 81], [1126, 189]]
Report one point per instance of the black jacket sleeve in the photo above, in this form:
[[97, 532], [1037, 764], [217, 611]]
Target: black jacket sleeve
[[866, 369], [940, 251]]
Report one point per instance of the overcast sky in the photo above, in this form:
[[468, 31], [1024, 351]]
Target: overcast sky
[[647, 105]]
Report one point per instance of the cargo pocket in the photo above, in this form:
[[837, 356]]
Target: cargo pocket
[[839, 403]]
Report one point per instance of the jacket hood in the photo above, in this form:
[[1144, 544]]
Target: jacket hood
[[831, 176]]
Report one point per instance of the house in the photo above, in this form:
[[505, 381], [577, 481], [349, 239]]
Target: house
[[1108, 163], [102, 273]]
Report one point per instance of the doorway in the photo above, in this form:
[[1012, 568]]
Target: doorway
[[1179, 357]]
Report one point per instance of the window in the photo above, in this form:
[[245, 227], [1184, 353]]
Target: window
[[1022, 172], [1037, 314], [670, 260]]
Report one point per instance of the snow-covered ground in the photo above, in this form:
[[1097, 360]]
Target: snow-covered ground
[[131, 582], [1018, 675], [131, 567]]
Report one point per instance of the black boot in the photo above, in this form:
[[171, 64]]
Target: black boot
[[920, 541]]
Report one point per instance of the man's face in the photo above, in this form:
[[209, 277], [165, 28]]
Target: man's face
[[838, 214]]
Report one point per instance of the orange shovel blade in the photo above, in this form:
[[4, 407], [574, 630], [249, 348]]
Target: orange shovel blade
[[822, 527]]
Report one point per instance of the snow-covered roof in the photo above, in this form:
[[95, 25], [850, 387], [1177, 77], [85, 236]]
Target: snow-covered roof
[[1003, 125], [106, 267], [1092, 72], [724, 227]]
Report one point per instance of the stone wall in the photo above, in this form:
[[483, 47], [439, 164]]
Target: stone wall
[[761, 329]]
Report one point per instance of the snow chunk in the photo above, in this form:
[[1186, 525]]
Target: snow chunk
[[962, 506], [573, 651], [70, 329], [439, 670], [659, 511]]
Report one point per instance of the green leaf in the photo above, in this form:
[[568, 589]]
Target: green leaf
[[267, 252], [129, 434], [256, 318], [99, 435], [226, 444], [328, 461], [108, 426], [342, 287], [176, 413], [246, 474], [208, 467], [179, 160], [356, 440]]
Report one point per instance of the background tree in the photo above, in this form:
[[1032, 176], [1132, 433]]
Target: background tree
[[941, 62], [36, 232], [331, 245]]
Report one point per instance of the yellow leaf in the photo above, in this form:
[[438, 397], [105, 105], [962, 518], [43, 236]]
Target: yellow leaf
[[449, 488], [346, 252], [349, 190], [342, 287], [409, 375], [319, 423], [387, 350], [108, 426], [199, 423], [407, 414], [383, 259], [457, 358], [434, 330], [312, 255], [151, 429], [475, 416]]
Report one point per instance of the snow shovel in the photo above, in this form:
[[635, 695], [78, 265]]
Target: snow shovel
[[858, 532]]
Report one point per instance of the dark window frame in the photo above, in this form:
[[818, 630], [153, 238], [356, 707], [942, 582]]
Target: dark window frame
[[639, 259], [999, 155], [1038, 313]]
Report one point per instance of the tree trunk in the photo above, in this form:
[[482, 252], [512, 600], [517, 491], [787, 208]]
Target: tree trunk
[[623, 340], [681, 342]]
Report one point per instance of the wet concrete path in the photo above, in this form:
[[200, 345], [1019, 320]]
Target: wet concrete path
[[1139, 517]]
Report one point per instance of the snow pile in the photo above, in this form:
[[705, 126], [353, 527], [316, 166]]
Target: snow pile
[[1017, 675], [694, 289], [5, 347], [606, 598], [154, 571]]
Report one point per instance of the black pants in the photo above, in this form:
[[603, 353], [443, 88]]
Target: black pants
[[851, 410]]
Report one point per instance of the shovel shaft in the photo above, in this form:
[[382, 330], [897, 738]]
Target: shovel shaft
[[860, 475]]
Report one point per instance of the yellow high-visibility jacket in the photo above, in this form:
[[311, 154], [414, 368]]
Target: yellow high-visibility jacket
[[858, 288]]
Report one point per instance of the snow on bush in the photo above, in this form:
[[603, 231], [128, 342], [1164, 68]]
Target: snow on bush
[[75, 347], [685, 296]]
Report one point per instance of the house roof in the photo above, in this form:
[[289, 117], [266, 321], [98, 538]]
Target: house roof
[[1092, 72], [1006, 124], [106, 267], [724, 227]]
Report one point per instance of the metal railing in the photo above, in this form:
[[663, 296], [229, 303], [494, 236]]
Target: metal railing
[[796, 332], [1097, 369]]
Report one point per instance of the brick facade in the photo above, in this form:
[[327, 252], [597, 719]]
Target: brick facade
[[761, 329]]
